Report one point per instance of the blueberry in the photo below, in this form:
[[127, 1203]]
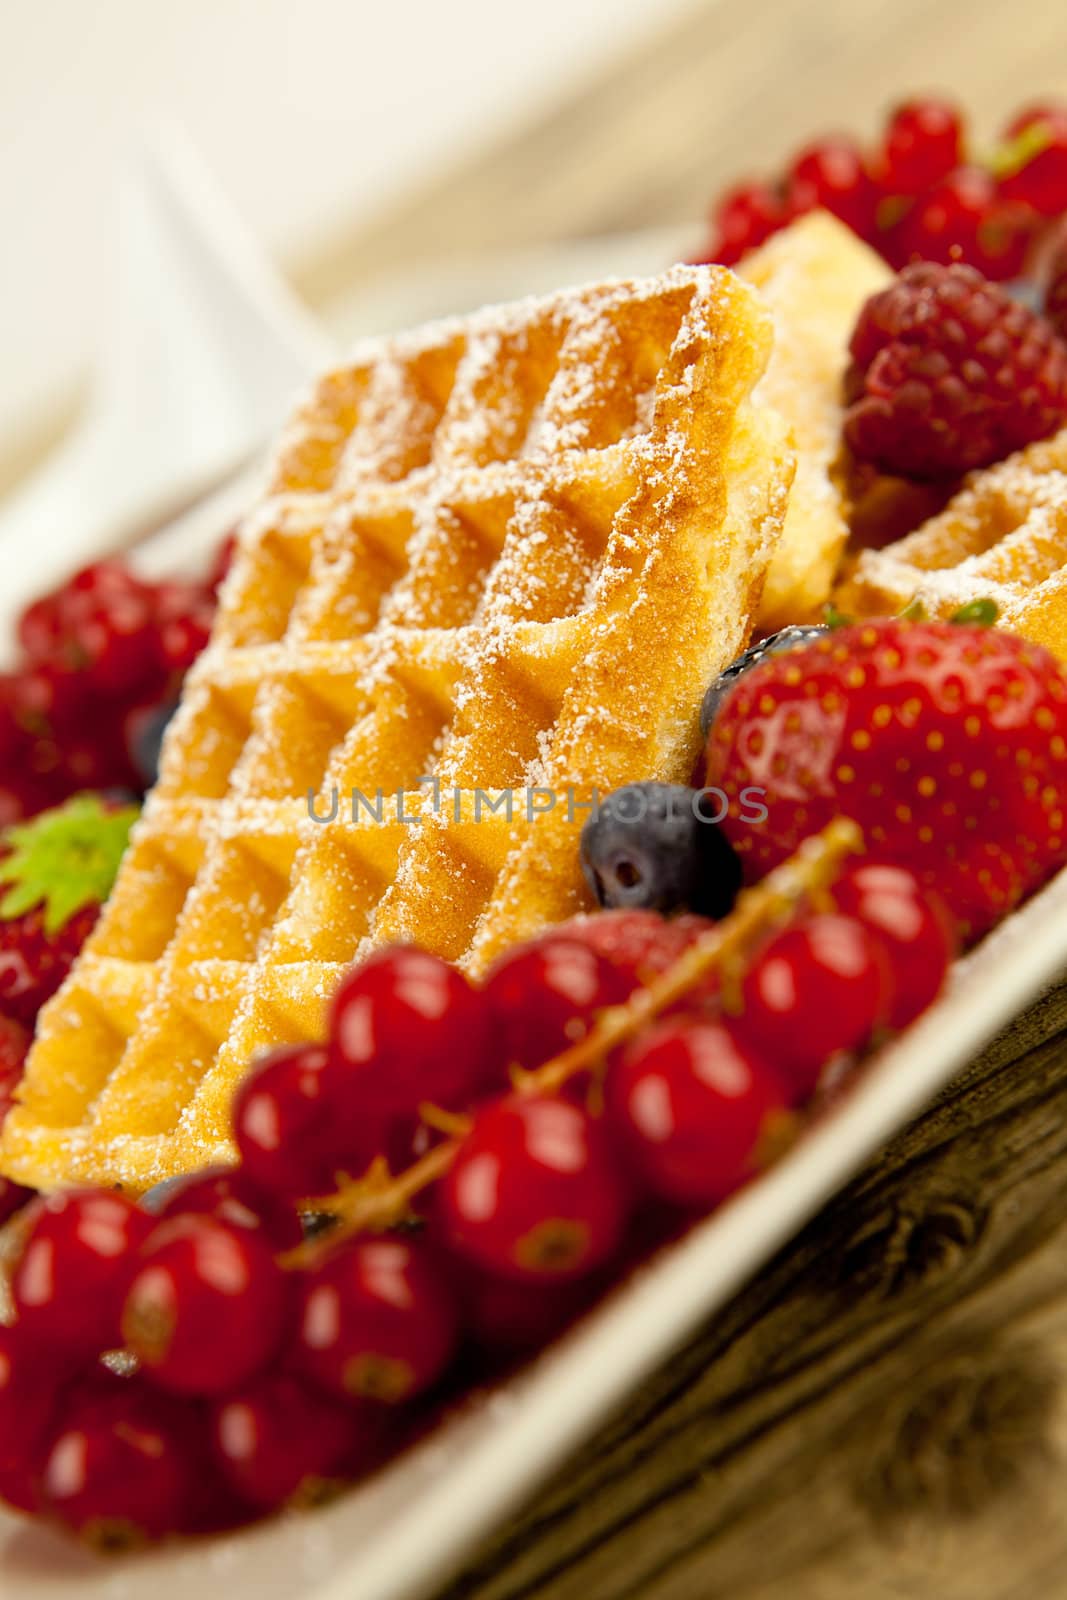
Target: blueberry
[[1026, 292], [146, 740], [785, 639], [154, 1199], [650, 845]]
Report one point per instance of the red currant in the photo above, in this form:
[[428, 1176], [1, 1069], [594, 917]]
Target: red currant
[[819, 988], [378, 1321], [744, 217], [296, 1127], [407, 1027], [508, 1316], [535, 1190], [544, 996], [72, 1273], [832, 175], [184, 615], [29, 1396], [691, 1102], [914, 926], [943, 224], [923, 144], [119, 1471], [1041, 179], [642, 944], [220, 567], [278, 1441], [228, 1194], [207, 1308]]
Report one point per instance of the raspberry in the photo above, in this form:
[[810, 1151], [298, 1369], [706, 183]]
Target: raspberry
[[946, 743], [950, 373]]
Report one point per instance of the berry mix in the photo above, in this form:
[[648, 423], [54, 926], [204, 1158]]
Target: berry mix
[[963, 359], [455, 1170], [920, 194], [101, 666]]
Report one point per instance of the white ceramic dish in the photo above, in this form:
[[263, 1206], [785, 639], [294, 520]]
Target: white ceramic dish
[[401, 1535]]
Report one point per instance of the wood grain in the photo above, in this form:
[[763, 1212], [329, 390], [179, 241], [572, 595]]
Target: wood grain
[[883, 1413]]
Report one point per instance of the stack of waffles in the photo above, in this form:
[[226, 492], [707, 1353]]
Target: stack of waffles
[[495, 564]]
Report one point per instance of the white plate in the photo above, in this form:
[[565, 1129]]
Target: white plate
[[402, 1534]]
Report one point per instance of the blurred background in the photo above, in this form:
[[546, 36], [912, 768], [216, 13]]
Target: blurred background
[[364, 145]]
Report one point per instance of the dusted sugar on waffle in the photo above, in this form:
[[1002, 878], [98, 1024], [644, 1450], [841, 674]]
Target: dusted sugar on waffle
[[496, 557], [1003, 537]]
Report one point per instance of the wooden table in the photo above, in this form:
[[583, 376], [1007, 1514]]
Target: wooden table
[[884, 1411]]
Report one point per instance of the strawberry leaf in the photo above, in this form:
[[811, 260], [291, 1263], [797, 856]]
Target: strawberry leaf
[[64, 860], [979, 613]]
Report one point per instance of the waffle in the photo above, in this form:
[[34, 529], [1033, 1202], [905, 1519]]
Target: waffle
[[499, 555], [1002, 537], [815, 276]]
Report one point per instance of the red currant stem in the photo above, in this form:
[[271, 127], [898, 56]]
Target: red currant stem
[[454, 1123], [373, 1203], [807, 872], [1014, 154], [379, 1200], [13, 1236]]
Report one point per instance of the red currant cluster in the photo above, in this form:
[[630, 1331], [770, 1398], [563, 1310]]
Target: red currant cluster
[[917, 195], [482, 1155], [100, 658], [14, 1048]]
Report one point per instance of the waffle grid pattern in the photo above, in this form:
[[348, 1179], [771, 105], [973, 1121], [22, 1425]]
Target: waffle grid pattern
[[1003, 537], [498, 554]]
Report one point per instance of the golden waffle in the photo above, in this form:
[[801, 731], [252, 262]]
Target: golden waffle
[[1003, 537], [506, 552], [816, 275]]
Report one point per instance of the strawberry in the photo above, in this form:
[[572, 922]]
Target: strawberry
[[946, 742], [55, 875]]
